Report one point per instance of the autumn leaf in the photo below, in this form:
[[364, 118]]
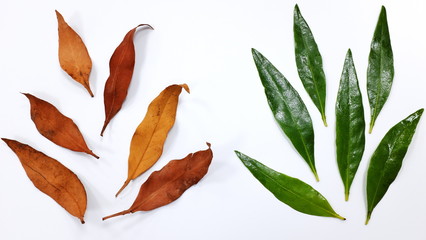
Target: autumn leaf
[[168, 184], [52, 178], [121, 67], [57, 127], [147, 142], [73, 55]]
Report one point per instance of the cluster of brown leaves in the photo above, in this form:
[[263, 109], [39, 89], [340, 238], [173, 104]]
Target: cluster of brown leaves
[[146, 147]]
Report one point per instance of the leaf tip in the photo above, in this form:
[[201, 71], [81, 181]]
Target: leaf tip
[[296, 7], [82, 221], [185, 86], [208, 144], [145, 25]]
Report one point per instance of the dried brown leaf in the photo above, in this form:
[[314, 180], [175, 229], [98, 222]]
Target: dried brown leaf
[[121, 67], [57, 127], [52, 178], [73, 55], [168, 184], [147, 142]]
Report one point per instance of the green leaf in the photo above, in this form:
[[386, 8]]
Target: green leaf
[[387, 159], [309, 62], [288, 108], [291, 191], [380, 68], [350, 124]]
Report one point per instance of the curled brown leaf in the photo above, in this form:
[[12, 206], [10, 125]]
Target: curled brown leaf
[[73, 55], [121, 67], [168, 184]]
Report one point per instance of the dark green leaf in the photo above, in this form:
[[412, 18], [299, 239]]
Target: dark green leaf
[[309, 62], [387, 159], [291, 191], [380, 68], [350, 124], [288, 108]]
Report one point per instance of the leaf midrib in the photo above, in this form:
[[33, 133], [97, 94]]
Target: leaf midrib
[[383, 172], [294, 193], [312, 73], [379, 85], [310, 162], [114, 77], [155, 193], [59, 189], [150, 137]]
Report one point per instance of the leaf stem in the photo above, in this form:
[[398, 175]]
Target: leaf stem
[[368, 218], [324, 119], [346, 195], [116, 214], [316, 175], [371, 126], [124, 185]]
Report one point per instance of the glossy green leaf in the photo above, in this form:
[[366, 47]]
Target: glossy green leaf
[[380, 68], [387, 159], [350, 124], [291, 191], [288, 108], [309, 62]]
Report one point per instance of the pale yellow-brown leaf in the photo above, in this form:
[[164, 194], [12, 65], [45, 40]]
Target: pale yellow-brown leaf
[[73, 55], [147, 143]]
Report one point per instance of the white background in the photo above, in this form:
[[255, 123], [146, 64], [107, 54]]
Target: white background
[[206, 44]]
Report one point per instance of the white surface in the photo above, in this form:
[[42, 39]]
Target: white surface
[[206, 44]]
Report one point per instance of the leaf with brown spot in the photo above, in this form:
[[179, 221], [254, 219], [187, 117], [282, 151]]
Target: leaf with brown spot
[[52, 178], [73, 55], [168, 184], [121, 67], [147, 142], [57, 127]]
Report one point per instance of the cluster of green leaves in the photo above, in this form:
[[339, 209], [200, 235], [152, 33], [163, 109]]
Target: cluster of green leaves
[[294, 119]]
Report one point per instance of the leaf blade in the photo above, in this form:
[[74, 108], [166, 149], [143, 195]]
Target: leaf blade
[[147, 142], [56, 127], [121, 67], [52, 178], [387, 159], [309, 62], [288, 108], [350, 124], [73, 55], [380, 71], [168, 184], [291, 191]]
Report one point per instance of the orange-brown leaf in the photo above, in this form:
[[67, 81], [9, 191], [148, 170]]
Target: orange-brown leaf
[[73, 55], [52, 178], [168, 184], [57, 127], [147, 142], [121, 67]]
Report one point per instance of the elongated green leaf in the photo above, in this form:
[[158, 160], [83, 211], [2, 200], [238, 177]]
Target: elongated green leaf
[[387, 159], [350, 124], [288, 108], [380, 68], [291, 191], [309, 62]]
